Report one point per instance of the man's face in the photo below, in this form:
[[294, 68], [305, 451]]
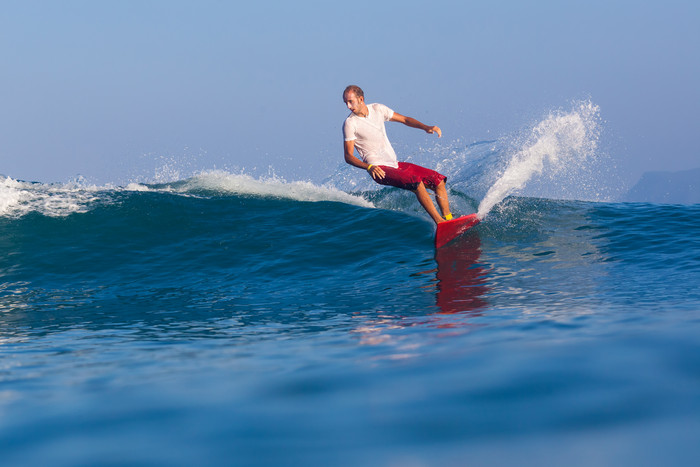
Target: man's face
[[354, 103]]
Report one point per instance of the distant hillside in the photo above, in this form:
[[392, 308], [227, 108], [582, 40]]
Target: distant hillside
[[667, 187]]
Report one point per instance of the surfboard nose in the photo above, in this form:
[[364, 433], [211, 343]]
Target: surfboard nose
[[449, 230]]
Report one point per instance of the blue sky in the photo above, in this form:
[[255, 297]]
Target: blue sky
[[110, 90]]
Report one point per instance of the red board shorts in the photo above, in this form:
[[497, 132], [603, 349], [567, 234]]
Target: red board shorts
[[408, 176]]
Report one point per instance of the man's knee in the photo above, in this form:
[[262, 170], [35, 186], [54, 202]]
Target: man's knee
[[419, 187]]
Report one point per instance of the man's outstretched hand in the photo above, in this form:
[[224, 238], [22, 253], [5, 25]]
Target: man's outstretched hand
[[435, 129]]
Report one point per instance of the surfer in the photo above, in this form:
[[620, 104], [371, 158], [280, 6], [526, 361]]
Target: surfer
[[364, 130]]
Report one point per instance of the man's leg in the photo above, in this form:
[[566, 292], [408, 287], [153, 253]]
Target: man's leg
[[427, 203], [441, 198]]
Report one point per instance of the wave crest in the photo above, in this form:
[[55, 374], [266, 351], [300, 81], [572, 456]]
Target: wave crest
[[218, 182], [18, 198]]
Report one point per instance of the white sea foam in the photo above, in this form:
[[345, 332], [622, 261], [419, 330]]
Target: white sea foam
[[559, 143], [241, 184], [133, 186], [10, 195], [18, 198]]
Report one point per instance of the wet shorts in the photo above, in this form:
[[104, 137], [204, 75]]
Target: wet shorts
[[408, 176]]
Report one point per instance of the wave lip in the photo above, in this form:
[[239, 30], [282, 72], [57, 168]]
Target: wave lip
[[220, 182], [18, 198]]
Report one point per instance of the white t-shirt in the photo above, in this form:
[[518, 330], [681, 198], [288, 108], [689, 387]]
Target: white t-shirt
[[370, 137]]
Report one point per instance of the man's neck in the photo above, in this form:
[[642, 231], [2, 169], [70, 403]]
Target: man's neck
[[364, 112]]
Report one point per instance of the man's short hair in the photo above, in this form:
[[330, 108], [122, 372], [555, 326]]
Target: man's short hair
[[355, 90]]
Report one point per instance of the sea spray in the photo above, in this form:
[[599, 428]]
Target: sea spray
[[10, 194], [220, 182], [561, 142], [18, 198]]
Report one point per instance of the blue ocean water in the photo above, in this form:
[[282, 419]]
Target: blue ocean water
[[223, 319]]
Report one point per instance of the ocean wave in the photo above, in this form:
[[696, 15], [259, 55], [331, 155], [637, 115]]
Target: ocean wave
[[19, 198], [217, 182]]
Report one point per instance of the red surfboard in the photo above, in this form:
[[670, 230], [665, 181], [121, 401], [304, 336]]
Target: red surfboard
[[449, 230]]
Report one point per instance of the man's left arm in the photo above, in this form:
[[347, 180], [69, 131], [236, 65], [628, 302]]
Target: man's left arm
[[413, 123]]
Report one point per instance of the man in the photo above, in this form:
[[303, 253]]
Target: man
[[364, 131]]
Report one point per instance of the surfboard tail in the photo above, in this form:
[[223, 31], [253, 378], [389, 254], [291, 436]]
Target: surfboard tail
[[449, 230]]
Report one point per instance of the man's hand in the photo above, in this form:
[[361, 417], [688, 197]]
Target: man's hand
[[434, 129], [376, 172], [412, 122]]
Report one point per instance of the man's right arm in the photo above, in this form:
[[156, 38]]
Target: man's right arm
[[349, 148]]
